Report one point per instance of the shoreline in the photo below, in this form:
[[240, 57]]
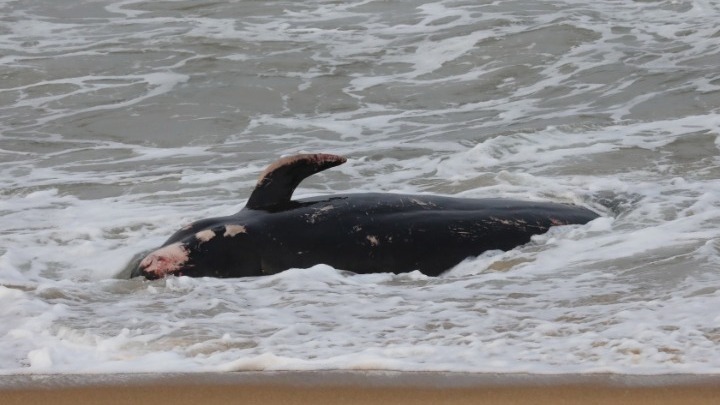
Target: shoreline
[[344, 387]]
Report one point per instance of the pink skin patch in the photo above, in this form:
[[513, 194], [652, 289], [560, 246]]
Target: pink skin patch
[[165, 260], [232, 230], [556, 221], [204, 236]]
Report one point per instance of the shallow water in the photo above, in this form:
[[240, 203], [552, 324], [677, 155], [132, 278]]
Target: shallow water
[[121, 121]]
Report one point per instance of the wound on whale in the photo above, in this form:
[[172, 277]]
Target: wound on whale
[[363, 233]]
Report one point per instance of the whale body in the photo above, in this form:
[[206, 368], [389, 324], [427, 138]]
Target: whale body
[[362, 232]]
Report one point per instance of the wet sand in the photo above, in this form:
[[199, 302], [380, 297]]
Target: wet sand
[[357, 388]]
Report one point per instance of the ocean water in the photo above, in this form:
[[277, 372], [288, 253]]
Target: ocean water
[[120, 121]]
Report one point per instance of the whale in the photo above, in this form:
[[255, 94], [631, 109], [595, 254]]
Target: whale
[[357, 232]]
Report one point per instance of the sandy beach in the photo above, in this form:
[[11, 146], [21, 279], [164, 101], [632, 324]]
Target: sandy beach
[[357, 388]]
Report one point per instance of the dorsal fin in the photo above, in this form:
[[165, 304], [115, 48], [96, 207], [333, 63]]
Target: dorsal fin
[[279, 180]]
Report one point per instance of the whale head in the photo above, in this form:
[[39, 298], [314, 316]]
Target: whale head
[[199, 250]]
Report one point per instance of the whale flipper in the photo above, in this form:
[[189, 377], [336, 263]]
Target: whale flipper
[[278, 182]]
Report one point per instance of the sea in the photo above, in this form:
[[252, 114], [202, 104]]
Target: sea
[[123, 120]]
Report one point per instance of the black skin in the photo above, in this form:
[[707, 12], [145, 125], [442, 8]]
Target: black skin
[[366, 233]]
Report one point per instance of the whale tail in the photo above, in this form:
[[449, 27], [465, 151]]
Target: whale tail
[[278, 182]]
